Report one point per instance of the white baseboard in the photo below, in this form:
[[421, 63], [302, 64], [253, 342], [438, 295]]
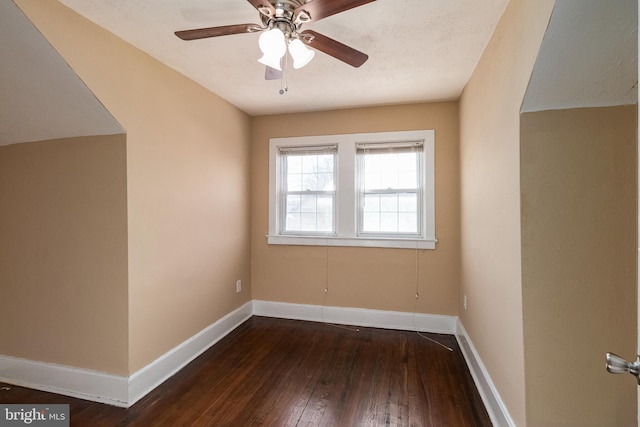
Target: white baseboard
[[440, 324], [161, 369], [496, 408], [114, 389], [124, 391], [81, 383]]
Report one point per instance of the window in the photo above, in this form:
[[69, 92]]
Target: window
[[390, 189], [308, 190], [374, 190]]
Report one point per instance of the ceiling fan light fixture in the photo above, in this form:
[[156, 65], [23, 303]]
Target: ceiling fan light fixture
[[270, 61], [281, 22], [273, 46], [300, 53]]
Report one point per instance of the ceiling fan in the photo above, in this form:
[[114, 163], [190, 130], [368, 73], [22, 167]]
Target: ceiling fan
[[282, 22]]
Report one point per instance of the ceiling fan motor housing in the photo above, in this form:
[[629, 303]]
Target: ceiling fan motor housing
[[285, 18], [289, 16]]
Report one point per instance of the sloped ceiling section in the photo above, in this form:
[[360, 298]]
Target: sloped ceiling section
[[588, 58], [42, 98]]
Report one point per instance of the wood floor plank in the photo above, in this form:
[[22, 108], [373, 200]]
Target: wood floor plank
[[275, 372]]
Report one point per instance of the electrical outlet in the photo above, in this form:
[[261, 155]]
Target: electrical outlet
[[464, 302], [238, 286]]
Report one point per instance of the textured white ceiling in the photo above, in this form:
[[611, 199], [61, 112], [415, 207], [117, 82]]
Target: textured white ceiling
[[419, 50]]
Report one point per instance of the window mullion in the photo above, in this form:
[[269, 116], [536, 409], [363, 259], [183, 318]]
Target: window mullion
[[391, 191], [346, 209], [348, 199]]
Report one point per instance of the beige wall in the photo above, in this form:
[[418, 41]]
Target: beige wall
[[63, 252], [187, 182], [371, 278], [490, 197], [186, 234], [578, 180]]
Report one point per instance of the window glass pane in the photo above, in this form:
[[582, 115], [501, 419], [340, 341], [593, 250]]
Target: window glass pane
[[388, 222], [389, 179], [371, 222], [293, 222], [310, 172], [294, 164], [406, 162], [293, 204], [315, 214], [325, 163], [373, 162], [325, 205], [407, 179], [372, 203], [308, 221], [311, 179], [389, 203], [295, 182], [325, 182], [390, 192], [308, 204], [372, 180], [309, 182], [390, 170], [320, 221], [408, 202], [310, 163], [325, 223], [294, 173], [407, 222]]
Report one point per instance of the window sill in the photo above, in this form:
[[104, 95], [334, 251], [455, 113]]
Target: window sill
[[364, 242]]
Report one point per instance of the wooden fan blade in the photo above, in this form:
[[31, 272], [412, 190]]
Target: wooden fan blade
[[334, 48], [318, 9], [225, 30], [264, 7]]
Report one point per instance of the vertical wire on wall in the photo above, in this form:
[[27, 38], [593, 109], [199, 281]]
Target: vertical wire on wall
[[326, 280], [326, 292], [415, 305]]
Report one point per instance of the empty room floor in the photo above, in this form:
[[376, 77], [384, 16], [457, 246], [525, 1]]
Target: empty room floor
[[277, 372]]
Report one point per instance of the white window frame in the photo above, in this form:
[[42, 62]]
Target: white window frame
[[389, 148], [283, 152], [346, 220]]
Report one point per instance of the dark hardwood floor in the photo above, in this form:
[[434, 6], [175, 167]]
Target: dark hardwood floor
[[276, 372]]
